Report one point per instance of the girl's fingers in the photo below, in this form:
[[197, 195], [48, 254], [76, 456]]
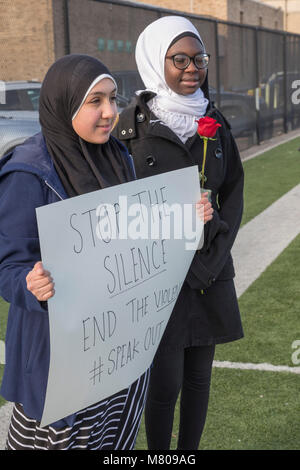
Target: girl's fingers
[[38, 268], [202, 201], [47, 296], [204, 211], [40, 283], [37, 284], [45, 293]]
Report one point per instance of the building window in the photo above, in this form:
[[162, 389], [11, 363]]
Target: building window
[[241, 17]]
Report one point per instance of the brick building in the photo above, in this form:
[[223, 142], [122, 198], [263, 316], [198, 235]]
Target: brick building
[[291, 13], [26, 38], [251, 12], [34, 33]]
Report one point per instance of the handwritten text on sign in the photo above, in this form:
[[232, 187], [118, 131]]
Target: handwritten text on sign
[[117, 277]]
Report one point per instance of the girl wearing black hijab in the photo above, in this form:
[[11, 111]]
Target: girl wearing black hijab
[[74, 154]]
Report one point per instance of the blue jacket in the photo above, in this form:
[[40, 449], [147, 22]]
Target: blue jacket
[[28, 180]]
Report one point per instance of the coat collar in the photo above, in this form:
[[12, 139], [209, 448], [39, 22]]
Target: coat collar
[[127, 129]]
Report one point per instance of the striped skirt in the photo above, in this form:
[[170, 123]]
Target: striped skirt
[[111, 424]]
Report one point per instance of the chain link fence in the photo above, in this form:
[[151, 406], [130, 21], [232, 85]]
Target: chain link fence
[[253, 72]]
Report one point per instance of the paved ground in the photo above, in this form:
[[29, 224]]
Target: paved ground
[[5, 412], [258, 244], [262, 239], [269, 144]]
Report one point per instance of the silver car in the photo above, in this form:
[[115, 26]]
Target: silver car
[[19, 117]]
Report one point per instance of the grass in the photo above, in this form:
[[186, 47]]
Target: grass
[[249, 410], [252, 410], [270, 309], [269, 176], [255, 409]]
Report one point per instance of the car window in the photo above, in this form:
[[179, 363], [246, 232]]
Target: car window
[[233, 111], [26, 99], [128, 83], [11, 101], [33, 95]]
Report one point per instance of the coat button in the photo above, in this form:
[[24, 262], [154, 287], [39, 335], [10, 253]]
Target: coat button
[[140, 117], [151, 160], [218, 153], [123, 132], [211, 281], [130, 131]]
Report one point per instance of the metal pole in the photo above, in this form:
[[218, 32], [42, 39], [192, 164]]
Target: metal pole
[[285, 94], [67, 28], [257, 121], [218, 78]]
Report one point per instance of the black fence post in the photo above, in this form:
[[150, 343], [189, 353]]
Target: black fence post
[[256, 96], [285, 91], [218, 81], [67, 28]]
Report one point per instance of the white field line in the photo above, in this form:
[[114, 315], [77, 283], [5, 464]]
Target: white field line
[[250, 366]]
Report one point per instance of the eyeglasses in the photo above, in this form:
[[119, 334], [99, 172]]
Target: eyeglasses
[[182, 61]]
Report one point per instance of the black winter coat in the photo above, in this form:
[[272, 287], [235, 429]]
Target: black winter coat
[[206, 311]]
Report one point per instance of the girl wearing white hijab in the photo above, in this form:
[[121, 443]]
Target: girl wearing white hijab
[[179, 112], [159, 128]]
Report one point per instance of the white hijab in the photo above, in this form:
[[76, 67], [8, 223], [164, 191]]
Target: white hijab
[[178, 112]]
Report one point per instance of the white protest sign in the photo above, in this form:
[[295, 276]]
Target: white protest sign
[[117, 278]]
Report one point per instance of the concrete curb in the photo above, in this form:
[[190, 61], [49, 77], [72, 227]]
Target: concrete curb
[[269, 145], [5, 413], [261, 240]]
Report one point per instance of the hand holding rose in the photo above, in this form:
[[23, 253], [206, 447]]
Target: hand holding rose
[[204, 208]]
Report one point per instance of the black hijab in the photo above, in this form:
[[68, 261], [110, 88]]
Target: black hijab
[[82, 166]]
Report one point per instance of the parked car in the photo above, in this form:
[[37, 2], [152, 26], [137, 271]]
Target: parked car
[[128, 82], [13, 132], [20, 99], [19, 117], [239, 110]]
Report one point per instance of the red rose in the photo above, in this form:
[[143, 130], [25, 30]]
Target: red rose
[[207, 127]]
